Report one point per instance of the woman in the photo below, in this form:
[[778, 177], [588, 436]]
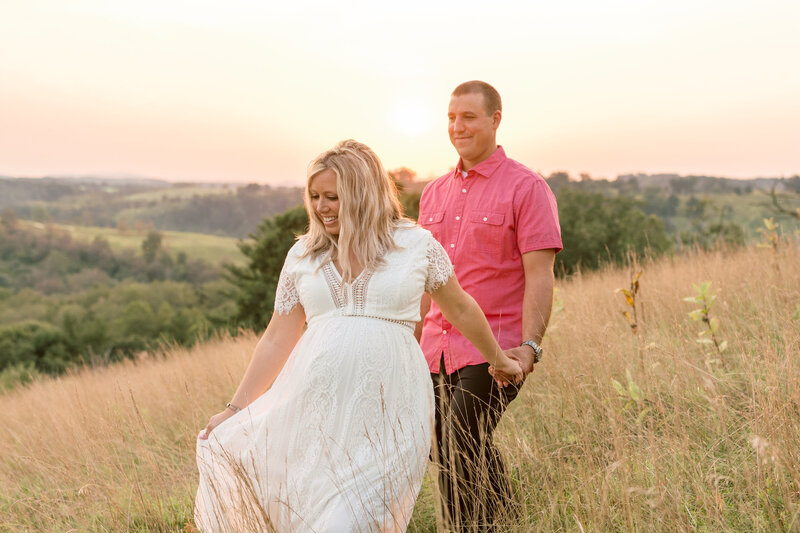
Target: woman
[[340, 439]]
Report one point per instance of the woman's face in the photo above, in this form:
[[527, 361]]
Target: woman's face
[[325, 200]]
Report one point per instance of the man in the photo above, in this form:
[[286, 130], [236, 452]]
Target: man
[[498, 221]]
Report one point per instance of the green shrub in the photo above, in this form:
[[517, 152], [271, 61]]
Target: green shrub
[[18, 374], [256, 283]]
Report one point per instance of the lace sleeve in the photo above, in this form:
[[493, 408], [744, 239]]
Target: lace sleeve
[[286, 296], [440, 269]]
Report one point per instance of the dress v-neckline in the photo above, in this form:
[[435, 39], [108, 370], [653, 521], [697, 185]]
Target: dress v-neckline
[[339, 276], [341, 292]]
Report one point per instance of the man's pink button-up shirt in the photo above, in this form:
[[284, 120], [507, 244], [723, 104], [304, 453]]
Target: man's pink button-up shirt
[[486, 221]]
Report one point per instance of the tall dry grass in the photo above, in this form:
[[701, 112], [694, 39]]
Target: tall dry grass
[[113, 449], [688, 440]]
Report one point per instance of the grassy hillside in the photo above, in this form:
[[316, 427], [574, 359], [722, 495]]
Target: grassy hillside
[[613, 431], [214, 208], [745, 210], [211, 248]]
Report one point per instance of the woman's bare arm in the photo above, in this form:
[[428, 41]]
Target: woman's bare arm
[[269, 356]]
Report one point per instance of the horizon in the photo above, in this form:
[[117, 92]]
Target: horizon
[[417, 178], [249, 93]]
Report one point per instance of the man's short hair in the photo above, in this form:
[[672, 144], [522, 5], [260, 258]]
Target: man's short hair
[[491, 98]]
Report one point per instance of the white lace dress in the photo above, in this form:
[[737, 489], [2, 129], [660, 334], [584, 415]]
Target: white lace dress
[[340, 441]]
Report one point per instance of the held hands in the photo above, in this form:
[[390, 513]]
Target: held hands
[[523, 356], [216, 420], [507, 372]]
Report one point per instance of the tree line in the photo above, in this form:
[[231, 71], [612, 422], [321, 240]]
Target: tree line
[[65, 303], [226, 211]]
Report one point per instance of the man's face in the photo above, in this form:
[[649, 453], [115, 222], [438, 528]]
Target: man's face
[[472, 130]]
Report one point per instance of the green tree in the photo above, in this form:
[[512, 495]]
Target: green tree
[[597, 230], [44, 345], [557, 180], [140, 321], [180, 328], [656, 202], [266, 250], [151, 245], [707, 234], [410, 201], [696, 208], [164, 318]]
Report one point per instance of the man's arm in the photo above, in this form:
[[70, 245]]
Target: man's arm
[[537, 303]]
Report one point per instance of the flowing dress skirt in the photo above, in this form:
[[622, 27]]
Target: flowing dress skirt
[[339, 443]]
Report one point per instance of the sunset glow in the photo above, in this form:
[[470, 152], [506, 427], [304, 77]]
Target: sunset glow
[[412, 119], [248, 91]]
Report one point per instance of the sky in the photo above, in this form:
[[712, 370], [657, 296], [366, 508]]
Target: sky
[[247, 90]]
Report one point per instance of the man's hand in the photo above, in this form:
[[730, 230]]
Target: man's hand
[[523, 355]]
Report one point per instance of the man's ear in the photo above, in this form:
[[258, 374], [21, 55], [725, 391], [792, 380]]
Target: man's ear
[[496, 117]]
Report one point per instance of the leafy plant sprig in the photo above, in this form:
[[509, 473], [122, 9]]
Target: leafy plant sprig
[[630, 300], [769, 234], [633, 395], [705, 299]]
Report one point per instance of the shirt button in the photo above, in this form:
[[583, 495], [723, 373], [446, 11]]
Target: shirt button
[[463, 190], [430, 219], [485, 219], [452, 246], [458, 218], [444, 332]]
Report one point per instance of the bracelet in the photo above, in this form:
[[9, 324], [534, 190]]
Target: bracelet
[[232, 407]]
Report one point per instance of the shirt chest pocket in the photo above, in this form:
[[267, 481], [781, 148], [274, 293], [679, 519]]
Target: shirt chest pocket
[[486, 231], [433, 223]]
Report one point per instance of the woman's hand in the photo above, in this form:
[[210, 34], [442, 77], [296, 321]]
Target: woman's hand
[[216, 420], [507, 371]]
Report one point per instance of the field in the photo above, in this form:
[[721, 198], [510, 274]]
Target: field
[[614, 431], [746, 210], [180, 191], [210, 248]]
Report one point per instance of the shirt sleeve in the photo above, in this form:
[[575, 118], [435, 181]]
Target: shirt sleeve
[[536, 217], [440, 269], [286, 295]]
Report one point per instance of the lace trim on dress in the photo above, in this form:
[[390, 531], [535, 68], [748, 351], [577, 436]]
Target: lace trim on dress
[[440, 269], [286, 296], [360, 292], [337, 294]]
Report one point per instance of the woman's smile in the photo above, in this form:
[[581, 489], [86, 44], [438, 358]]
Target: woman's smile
[[325, 200]]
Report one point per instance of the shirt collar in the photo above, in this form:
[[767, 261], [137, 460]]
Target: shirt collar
[[486, 167]]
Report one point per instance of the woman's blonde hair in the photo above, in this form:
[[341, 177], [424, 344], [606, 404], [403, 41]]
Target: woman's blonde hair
[[369, 208]]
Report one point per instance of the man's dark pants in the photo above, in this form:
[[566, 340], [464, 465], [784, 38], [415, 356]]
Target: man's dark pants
[[472, 477]]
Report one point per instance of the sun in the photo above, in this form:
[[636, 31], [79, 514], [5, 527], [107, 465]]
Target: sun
[[411, 119]]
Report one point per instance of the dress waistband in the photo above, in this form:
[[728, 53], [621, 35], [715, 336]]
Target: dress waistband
[[406, 324]]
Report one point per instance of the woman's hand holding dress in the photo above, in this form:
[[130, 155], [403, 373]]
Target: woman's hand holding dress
[[271, 352], [216, 420]]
